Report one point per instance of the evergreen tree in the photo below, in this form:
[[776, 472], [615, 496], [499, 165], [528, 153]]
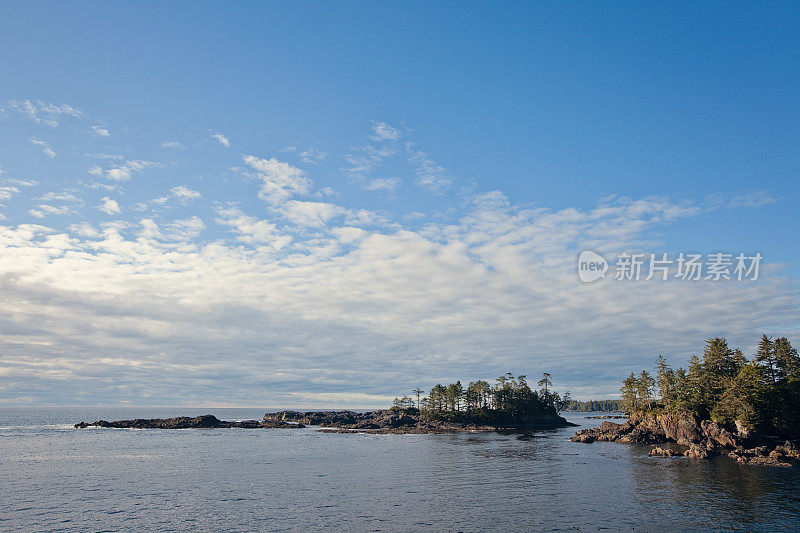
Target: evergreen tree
[[545, 382], [418, 392], [719, 368], [696, 379], [787, 362], [683, 394], [644, 389], [745, 399], [665, 377], [454, 393], [629, 394], [762, 394], [765, 354]]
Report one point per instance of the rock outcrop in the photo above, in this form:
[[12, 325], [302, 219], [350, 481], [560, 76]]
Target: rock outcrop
[[658, 451], [185, 422], [391, 421], [703, 439]]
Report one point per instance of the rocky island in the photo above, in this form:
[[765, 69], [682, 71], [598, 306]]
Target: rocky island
[[723, 405], [410, 420], [186, 422], [510, 405]]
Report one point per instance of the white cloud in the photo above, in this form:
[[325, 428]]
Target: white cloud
[[183, 230], [251, 230], [365, 159], [114, 157], [494, 291], [221, 139], [63, 196], [109, 206], [383, 184], [84, 229], [312, 155], [122, 172], [325, 192], [7, 192], [22, 183], [172, 144], [43, 210], [48, 151], [186, 229], [44, 112], [741, 200], [383, 131], [310, 214], [100, 131], [279, 180], [184, 194], [388, 142], [430, 175]]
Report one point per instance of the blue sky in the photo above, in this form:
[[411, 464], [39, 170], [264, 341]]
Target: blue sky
[[318, 204]]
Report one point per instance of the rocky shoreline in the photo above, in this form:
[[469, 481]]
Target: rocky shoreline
[[701, 439], [383, 421]]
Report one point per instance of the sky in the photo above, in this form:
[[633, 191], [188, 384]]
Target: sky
[[327, 204]]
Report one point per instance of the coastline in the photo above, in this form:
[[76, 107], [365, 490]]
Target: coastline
[[699, 439]]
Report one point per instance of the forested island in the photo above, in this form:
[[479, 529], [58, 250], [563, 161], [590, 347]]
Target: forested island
[[510, 404], [748, 409]]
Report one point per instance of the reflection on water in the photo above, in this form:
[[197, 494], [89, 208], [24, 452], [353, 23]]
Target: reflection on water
[[57, 478], [727, 492]]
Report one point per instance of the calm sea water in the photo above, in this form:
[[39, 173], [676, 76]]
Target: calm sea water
[[53, 477]]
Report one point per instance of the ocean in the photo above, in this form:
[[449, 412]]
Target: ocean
[[56, 478]]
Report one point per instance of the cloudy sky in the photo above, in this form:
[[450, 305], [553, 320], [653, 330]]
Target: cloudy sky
[[328, 204]]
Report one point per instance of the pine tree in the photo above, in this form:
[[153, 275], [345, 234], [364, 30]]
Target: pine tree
[[629, 394], [696, 379], [665, 377], [744, 400], [765, 354], [683, 397], [787, 362], [418, 391], [719, 368], [644, 389]]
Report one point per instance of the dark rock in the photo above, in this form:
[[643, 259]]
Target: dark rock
[[410, 421], [185, 422]]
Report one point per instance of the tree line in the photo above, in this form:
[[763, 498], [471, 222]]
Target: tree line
[[509, 397], [762, 393], [594, 406]]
